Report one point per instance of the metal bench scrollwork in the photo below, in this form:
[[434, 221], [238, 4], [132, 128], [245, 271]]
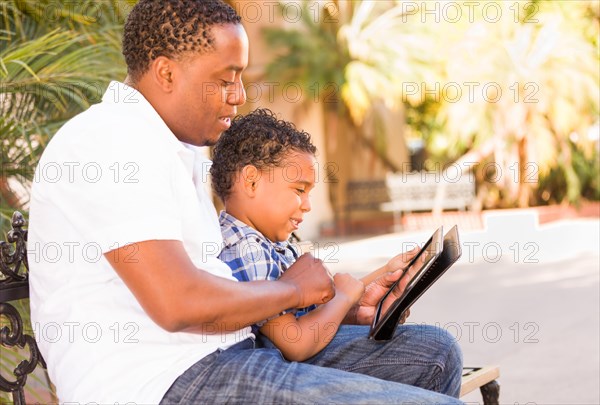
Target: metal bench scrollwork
[[14, 285]]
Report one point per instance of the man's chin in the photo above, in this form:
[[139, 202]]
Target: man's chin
[[212, 140], [206, 142]]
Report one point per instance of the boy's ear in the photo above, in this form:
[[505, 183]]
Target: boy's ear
[[249, 179]]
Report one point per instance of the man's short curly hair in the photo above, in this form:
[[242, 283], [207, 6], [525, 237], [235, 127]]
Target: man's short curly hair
[[258, 139], [171, 28]]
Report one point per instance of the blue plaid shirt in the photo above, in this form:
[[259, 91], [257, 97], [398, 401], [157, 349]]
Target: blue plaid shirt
[[251, 256]]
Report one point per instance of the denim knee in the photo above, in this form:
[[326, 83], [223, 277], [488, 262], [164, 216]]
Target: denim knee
[[449, 350]]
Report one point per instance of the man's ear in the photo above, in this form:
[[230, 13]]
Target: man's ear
[[162, 69], [249, 177]]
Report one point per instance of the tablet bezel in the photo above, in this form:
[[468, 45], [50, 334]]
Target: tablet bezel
[[436, 246]]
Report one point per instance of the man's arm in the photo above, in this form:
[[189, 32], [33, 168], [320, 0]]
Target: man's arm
[[180, 297]]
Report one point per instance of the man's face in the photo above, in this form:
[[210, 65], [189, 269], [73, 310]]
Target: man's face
[[282, 196], [209, 88]]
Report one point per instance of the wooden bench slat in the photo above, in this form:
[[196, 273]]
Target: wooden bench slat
[[475, 377]]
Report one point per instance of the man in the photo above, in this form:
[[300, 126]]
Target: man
[[127, 293]]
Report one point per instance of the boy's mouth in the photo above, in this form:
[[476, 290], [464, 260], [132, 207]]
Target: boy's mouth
[[295, 222]]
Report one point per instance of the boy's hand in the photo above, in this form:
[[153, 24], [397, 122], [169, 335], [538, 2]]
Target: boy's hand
[[349, 286], [312, 280]]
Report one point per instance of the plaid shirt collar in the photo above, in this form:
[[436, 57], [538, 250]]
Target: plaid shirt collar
[[234, 231]]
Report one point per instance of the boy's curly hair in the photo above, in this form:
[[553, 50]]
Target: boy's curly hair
[[258, 139], [171, 28]]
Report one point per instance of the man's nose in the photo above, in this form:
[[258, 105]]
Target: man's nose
[[237, 95]]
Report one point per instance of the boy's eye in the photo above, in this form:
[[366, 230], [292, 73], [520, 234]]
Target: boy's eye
[[300, 190]]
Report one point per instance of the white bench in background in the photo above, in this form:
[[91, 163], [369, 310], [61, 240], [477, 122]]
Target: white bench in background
[[427, 191]]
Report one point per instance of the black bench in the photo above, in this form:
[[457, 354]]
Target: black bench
[[14, 286]]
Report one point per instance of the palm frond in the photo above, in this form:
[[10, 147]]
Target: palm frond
[[56, 57]]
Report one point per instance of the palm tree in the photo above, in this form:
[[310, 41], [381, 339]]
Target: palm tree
[[544, 77], [55, 60]]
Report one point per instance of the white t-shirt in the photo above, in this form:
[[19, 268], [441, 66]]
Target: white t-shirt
[[113, 175]]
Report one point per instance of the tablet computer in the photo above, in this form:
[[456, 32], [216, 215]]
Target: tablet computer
[[432, 260]]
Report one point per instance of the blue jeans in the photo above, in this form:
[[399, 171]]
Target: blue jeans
[[352, 369]]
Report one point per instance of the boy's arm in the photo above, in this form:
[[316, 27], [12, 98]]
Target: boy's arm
[[301, 338]]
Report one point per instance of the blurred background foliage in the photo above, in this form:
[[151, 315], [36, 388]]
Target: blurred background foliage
[[56, 59], [512, 86]]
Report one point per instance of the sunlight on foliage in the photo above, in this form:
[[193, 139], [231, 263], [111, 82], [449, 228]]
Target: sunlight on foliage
[[524, 81]]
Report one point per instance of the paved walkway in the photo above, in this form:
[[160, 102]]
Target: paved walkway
[[523, 296]]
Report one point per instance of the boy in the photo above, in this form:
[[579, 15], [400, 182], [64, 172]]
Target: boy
[[263, 170]]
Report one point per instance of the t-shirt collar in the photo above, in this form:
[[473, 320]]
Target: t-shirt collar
[[118, 92]]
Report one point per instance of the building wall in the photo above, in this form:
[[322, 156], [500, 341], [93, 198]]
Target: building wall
[[283, 99]]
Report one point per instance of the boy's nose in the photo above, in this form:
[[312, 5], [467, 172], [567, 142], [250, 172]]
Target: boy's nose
[[306, 205]]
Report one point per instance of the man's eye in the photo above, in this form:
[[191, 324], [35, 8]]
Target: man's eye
[[300, 190]]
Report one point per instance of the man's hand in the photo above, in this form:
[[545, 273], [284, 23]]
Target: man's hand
[[312, 281], [364, 311], [377, 284], [395, 263], [400, 261]]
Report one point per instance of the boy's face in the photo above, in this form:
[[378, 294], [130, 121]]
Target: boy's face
[[282, 196]]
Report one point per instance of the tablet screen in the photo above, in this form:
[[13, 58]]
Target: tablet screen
[[415, 269]]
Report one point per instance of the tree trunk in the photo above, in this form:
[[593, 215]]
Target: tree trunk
[[524, 193], [338, 149], [9, 199]]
